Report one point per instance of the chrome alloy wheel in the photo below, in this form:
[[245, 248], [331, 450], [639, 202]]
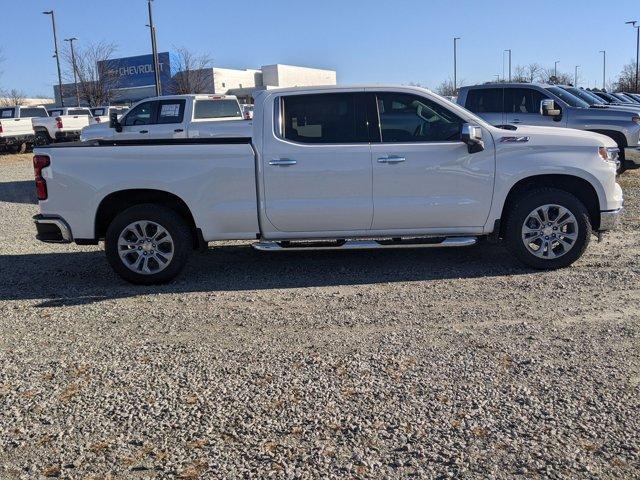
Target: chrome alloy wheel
[[145, 247], [550, 231]]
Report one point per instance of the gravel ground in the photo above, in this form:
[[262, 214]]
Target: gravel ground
[[387, 364]]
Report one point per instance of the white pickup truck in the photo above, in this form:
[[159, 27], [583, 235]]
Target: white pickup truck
[[16, 131], [103, 114], [175, 116], [333, 168], [64, 123]]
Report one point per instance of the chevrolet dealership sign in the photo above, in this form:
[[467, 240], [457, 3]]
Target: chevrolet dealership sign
[[132, 72]]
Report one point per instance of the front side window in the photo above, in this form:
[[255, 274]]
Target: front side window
[[324, 118], [522, 100], [171, 111], [485, 100], [410, 118], [98, 112], [140, 115], [216, 109]]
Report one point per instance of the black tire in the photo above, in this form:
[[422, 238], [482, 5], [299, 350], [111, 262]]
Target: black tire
[[526, 204], [42, 138], [179, 234], [622, 167]]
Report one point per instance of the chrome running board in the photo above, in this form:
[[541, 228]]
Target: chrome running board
[[364, 244]]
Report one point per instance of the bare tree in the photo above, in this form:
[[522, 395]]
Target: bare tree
[[446, 89], [527, 73], [626, 81], [193, 75], [549, 75], [12, 97], [95, 70]]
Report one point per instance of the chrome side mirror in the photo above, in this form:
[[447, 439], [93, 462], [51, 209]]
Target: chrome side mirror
[[472, 136], [548, 108]]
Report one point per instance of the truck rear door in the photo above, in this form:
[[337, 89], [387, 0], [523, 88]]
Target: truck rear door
[[316, 163]]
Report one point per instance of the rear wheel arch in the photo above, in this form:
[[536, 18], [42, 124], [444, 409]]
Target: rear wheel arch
[[117, 202], [577, 186]]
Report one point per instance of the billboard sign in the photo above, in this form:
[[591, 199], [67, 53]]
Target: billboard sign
[[132, 72]]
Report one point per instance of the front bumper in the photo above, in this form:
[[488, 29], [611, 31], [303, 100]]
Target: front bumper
[[52, 229], [610, 220]]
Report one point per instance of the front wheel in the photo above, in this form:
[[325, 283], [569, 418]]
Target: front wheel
[[548, 228], [148, 244]]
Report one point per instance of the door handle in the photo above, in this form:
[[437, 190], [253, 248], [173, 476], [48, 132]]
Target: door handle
[[391, 159], [144, 131], [178, 130], [282, 162]]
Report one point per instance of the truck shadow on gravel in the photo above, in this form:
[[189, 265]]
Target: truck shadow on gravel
[[18, 192], [65, 279]]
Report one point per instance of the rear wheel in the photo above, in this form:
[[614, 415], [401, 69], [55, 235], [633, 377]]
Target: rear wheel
[[17, 148], [148, 244], [548, 228], [42, 138]]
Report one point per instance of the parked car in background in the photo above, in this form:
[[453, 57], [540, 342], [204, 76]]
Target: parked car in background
[[550, 105], [102, 114], [63, 124], [317, 162], [175, 116], [16, 131]]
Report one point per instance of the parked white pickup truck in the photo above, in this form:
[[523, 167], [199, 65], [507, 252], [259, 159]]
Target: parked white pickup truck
[[16, 132], [333, 168], [175, 116], [103, 114], [64, 123]]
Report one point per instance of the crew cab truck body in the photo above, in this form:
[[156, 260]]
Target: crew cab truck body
[[521, 104], [63, 124], [333, 168], [16, 132], [175, 116]]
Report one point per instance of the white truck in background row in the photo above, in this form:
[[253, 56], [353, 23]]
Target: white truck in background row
[[63, 123], [16, 129], [174, 116], [331, 168]]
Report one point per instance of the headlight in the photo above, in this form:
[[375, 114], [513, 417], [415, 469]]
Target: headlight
[[609, 154]]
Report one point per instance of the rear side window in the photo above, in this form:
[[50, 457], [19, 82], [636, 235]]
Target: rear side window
[[410, 118], [55, 113], [7, 112], [325, 118], [485, 100], [98, 112], [216, 109], [140, 115], [170, 111]]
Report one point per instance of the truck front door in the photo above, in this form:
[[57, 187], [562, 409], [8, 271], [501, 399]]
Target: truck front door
[[316, 164]]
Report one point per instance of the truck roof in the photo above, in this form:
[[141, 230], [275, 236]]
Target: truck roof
[[195, 96], [509, 84]]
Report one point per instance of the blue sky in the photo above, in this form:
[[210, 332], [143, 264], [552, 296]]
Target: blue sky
[[372, 41]]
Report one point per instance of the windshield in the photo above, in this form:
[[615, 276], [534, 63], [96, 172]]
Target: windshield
[[621, 98], [584, 95], [568, 97]]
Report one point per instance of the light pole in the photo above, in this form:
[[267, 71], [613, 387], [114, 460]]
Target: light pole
[[73, 66], [508, 50], [555, 68], [55, 45], [575, 82], [497, 77], [604, 67], [633, 24], [455, 64], [154, 50]]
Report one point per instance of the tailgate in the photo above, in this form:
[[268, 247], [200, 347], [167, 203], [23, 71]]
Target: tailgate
[[74, 122], [16, 127]]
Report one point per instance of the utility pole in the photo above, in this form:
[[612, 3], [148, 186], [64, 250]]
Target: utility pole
[[455, 64], [55, 45], [509, 50], [575, 83], [633, 24], [154, 49], [604, 68], [555, 68], [73, 66]]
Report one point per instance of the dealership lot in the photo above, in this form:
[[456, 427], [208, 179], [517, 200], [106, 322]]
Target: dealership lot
[[356, 364]]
